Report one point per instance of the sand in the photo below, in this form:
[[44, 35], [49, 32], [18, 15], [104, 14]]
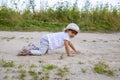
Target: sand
[[94, 47]]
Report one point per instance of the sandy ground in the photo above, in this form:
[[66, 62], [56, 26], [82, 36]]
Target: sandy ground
[[93, 46]]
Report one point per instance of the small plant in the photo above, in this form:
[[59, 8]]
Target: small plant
[[33, 73], [83, 70], [22, 71], [66, 68], [27, 38], [80, 62], [4, 63], [93, 41], [102, 68], [49, 67], [5, 77], [20, 66], [61, 56], [22, 76], [62, 71], [105, 41], [7, 70], [84, 40], [67, 79], [41, 61], [21, 37], [111, 72], [45, 75], [33, 66], [7, 38]]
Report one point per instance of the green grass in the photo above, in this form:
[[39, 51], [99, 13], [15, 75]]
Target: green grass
[[83, 70], [101, 18], [102, 68], [62, 71], [33, 73], [49, 67], [22, 74], [4, 63], [80, 62], [33, 66]]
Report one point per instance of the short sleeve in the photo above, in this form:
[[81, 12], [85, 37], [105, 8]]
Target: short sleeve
[[66, 37]]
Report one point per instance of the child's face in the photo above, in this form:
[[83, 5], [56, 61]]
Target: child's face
[[72, 33]]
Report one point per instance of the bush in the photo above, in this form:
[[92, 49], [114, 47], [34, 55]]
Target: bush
[[102, 18]]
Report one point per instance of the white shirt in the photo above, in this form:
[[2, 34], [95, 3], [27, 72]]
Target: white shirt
[[56, 40]]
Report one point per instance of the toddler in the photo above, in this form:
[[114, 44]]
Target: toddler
[[54, 41]]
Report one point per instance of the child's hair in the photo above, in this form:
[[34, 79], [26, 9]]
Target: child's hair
[[73, 31]]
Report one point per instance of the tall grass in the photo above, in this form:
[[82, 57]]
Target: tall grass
[[102, 18]]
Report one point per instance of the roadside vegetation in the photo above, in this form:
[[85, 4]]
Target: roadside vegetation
[[100, 18]]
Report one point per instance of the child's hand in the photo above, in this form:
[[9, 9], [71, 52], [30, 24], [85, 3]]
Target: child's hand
[[77, 51]]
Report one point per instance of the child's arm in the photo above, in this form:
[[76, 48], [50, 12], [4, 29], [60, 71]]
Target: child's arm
[[67, 48], [72, 46]]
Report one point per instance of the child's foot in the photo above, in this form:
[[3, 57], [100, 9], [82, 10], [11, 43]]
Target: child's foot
[[24, 52]]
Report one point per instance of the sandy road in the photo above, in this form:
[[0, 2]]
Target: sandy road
[[93, 46]]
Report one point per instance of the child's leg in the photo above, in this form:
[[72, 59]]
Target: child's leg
[[43, 47]]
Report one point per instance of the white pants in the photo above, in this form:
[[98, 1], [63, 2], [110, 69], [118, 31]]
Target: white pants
[[43, 47]]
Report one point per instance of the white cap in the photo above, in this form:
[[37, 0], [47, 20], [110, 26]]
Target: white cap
[[72, 26]]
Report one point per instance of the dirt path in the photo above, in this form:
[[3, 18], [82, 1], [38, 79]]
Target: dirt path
[[94, 47]]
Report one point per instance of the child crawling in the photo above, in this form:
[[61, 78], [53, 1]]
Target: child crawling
[[54, 41]]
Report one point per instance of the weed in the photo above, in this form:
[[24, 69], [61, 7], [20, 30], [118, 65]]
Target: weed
[[7, 38], [5, 77], [84, 40], [4, 63], [102, 68], [20, 66], [61, 56], [27, 38], [7, 70], [41, 61], [67, 79], [80, 62], [49, 67], [22, 71], [105, 41], [83, 70], [21, 37], [44, 77], [22, 76], [33, 66], [111, 72], [94, 41], [34, 74], [62, 71]]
